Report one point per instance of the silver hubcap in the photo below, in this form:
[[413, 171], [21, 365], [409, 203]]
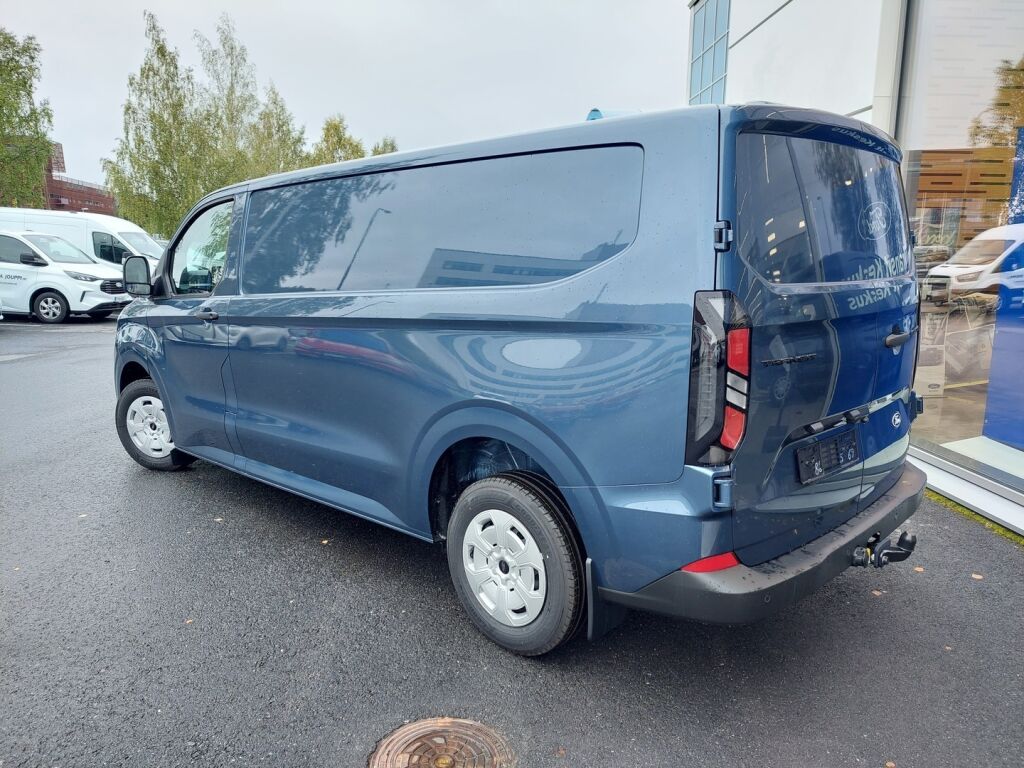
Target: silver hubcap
[[504, 567], [49, 308], [147, 426]]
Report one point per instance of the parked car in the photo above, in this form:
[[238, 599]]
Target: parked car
[[259, 336], [991, 259], [108, 238], [48, 277], [623, 364]]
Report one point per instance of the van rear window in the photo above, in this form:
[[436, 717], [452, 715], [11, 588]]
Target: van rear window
[[813, 211]]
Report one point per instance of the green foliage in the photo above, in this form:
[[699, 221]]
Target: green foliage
[[385, 146], [995, 527], [275, 145], [24, 124], [997, 126], [336, 143], [185, 136], [161, 163]]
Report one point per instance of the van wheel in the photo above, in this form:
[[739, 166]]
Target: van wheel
[[50, 307], [515, 564], [142, 427]]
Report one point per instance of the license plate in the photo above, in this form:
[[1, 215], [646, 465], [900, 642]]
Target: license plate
[[827, 456]]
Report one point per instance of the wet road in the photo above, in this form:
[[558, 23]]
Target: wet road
[[200, 618]]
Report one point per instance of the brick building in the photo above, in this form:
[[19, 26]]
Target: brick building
[[64, 193]]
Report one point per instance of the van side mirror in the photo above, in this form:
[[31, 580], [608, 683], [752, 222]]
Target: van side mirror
[[136, 276], [33, 260]]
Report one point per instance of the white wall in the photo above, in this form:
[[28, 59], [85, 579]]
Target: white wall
[[828, 54], [954, 49]]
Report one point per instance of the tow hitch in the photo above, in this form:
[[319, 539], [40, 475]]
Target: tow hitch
[[878, 553]]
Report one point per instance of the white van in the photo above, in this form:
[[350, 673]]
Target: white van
[[993, 258], [106, 237], [46, 276]]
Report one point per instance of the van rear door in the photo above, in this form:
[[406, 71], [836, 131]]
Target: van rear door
[[820, 264]]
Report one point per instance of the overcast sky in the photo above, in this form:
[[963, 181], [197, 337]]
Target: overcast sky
[[426, 71]]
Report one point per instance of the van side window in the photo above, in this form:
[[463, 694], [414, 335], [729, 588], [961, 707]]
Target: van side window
[[108, 247], [198, 260], [498, 221], [11, 250]]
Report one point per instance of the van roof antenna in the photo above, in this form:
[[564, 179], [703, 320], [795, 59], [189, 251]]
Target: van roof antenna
[[597, 114]]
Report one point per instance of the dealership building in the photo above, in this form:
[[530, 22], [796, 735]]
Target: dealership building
[[946, 79]]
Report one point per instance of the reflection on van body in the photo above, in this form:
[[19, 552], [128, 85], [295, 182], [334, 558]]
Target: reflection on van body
[[661, 361], [992, 261]]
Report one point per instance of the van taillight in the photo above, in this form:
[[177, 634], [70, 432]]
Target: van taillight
[[719, 378]]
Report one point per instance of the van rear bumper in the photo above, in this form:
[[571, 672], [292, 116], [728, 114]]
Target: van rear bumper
[[743, 594]]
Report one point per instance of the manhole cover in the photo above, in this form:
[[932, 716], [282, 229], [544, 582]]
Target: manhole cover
[[442, 742]]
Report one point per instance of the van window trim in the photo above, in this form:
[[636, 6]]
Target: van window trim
[[165, 266], [241, 292]]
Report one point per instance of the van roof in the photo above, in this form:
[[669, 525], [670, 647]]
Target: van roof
[[618, 129], [113, 222], [1005, 232], [32, 233], [626, 128]]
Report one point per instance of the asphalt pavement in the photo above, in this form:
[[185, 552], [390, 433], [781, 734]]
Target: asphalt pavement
[[201, 618]]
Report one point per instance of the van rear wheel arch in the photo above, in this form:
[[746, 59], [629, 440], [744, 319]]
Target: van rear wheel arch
[[585, 512], [476, 458]]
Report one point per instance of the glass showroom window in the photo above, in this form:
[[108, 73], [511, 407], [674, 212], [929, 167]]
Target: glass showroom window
[[709, 43], [962, 127]]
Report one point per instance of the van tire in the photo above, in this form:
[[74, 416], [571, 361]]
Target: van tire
[[144, 388], [539, 514], [50, 307]]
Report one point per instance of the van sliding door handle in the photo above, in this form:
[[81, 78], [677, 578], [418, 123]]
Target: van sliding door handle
[[897, 339], [205, 313]]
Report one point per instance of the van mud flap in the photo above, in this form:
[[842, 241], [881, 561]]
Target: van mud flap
[[602, 616]]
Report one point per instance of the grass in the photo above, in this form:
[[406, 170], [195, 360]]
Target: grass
[[996, 528]]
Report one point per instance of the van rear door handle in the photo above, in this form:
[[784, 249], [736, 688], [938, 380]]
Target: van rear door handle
[[897, 338], [205, 313]]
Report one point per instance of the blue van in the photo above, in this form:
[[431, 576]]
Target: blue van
[[659, 362]]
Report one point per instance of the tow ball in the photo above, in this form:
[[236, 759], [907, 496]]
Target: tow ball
[[878, 553]]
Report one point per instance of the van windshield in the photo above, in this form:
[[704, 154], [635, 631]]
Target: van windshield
[[813, 211], [59, 249], [979, 252], [142, 243]]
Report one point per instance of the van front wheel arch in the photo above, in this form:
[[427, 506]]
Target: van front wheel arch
[[50, 307], [515, 564], [143, 429]]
